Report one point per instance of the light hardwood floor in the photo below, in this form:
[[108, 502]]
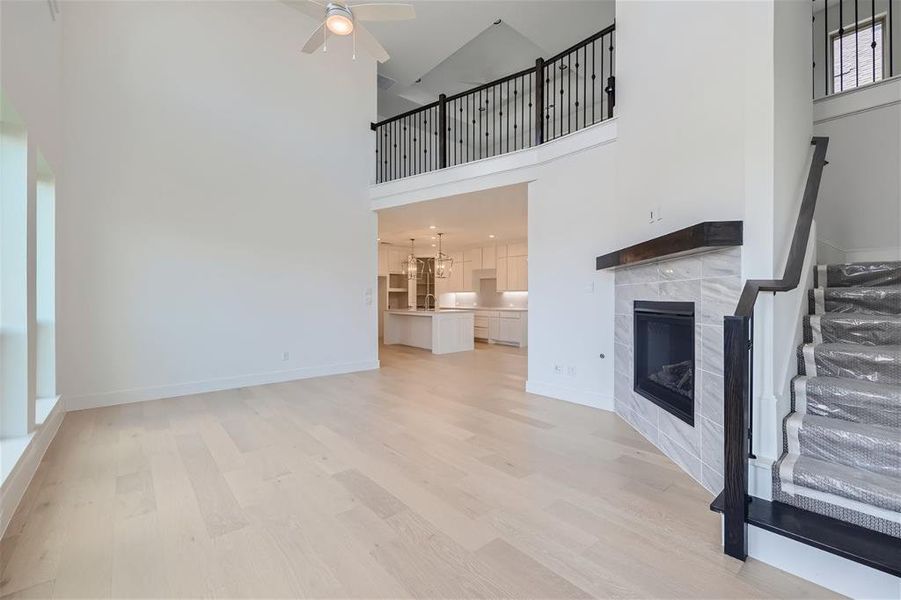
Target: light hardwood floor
[[435, 477]]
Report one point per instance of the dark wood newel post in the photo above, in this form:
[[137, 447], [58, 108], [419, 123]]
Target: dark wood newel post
[[442, 131], [539, 101], [737, 374]]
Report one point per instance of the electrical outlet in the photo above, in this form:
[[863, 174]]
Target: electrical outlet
[[571, 371], [558, 369], [285, 356]]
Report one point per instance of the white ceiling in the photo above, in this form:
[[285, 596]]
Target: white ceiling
[[454, 42], [466, 219]]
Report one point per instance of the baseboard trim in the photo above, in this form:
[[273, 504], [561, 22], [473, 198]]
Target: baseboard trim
[[567, 394], [19, 478], [212, 385]]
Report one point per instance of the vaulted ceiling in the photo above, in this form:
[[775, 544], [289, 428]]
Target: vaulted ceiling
[[456, 44]]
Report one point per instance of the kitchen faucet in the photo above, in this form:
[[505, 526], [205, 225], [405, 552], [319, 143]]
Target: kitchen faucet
[[432, 296]]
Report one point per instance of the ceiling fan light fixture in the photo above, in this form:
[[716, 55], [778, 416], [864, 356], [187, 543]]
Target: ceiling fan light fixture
[[339, 19]]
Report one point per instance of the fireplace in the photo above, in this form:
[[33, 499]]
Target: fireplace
[[664, 355]]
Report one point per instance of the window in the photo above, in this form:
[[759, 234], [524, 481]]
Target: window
[[857, 55], [14, 405]]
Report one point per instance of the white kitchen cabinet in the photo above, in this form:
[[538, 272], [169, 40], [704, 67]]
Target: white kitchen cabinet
[[519, 249], [501, 327], [467, 276], [383, 260], [396, 258], [512, 267], [473, 256], [493, 329], [509, 331], [455, 281], [489, 257], [517, 273], [501, 268]]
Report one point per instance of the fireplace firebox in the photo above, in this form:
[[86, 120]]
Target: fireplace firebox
[[664, 355]]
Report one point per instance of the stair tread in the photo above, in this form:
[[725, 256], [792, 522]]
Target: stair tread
[[878, 273], [853, 328], [885, 300], [855, 400], [863, 486], [881, 364]]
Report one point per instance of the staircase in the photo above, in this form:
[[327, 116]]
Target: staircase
[[842, 440]]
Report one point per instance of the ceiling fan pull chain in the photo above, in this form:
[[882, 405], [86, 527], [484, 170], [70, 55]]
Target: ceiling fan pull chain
[[325, 39], [355, 44]]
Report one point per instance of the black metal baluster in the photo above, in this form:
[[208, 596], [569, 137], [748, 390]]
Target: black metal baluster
[[856, 45], [546, 126], [603, 96], [531, 105], [560, 105], [576, 104], [569, 94], [873, 36], [611, 80], [813, 47], [841, 44], [508, 115], [594, 80], [522, 112], [891, 40], [494, 120], [585, 86], [487, 125], [827, 76]]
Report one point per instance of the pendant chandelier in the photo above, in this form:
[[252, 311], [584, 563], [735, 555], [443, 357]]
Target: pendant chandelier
[[412, 265], [444, 264]]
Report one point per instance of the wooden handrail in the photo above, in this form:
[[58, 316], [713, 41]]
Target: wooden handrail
[[791, 277], [738, 363]]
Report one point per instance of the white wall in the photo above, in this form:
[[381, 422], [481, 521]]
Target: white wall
[[792, 132], [859, 208], [572, 219], [30, 72], [214, 213], [681, 129]]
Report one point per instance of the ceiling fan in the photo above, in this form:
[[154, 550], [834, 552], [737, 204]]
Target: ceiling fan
[[345, 19]]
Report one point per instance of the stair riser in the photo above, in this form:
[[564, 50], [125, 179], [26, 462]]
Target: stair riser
[[861, 274], [880, 366], [838, 399], [831, 329]]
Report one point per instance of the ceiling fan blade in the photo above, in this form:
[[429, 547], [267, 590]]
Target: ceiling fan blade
[[308, 7], [383, 12], [367, 42], [316, 39]]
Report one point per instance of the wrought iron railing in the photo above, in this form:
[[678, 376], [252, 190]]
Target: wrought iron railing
[[568, 92], [853, 44]]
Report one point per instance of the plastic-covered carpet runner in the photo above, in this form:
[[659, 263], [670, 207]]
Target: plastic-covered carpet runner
[[842, 440]]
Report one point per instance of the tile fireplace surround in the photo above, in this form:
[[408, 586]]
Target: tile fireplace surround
[[712, 281]]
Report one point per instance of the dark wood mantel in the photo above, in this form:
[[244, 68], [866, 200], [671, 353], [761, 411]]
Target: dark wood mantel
[[697, 238]]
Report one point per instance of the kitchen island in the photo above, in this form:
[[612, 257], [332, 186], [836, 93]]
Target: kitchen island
[[442, 331]]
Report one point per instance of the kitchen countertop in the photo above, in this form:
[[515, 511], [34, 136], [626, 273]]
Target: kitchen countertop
[[419, 312], [490, 308]]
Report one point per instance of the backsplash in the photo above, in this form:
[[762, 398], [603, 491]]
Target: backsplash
[[487, 296]]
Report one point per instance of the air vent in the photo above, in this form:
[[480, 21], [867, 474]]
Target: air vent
[[385, 82]]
